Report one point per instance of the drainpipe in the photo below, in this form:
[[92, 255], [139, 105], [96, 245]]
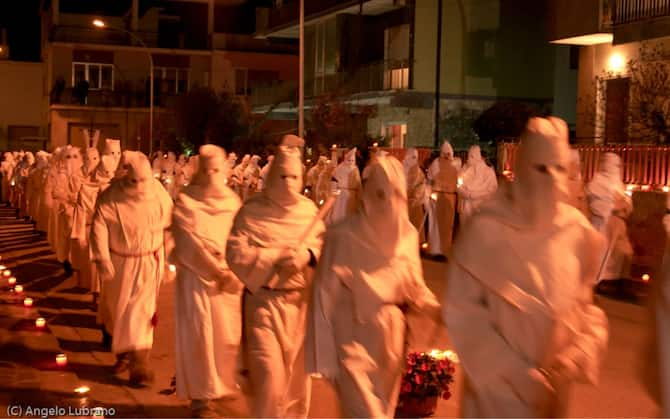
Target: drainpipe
[[438, 59]]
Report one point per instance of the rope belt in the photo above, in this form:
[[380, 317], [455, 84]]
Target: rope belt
[[282, 289], [136, 255]]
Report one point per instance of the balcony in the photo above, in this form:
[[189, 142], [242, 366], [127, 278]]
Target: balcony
[[282, 22], [84, 35], [120, 97], [391, 75], [629, 11], [640, 20]]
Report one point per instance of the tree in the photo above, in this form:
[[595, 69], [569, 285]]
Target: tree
[[205, 117], [457, 126], [503, 121]]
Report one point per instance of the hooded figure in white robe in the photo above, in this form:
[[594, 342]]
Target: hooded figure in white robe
[[324, 183], [576, 190], [275, 237], [443, 179], [519, 300], [56, 168], [81, 223], [97, 181], [655, 361], [183, 176], [34, 187], [208, 295], [127, 244], [6, 170], [20, 176], [264, 173], [312, 178], [369, 271], [416, 191], [347, 180], [65, 192], [251, 177], [237, 177], [477, 183], [168, 171], [610, 208]]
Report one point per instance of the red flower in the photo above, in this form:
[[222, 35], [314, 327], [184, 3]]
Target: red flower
[[406, 388], [418, 379], [446, 395], [424, 367]]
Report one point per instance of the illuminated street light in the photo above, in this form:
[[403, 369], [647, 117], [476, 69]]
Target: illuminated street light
[[102, 25]]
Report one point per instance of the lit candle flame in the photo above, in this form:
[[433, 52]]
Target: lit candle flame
[[334, 146], [630, 187], [666, 189], [18, 289], [646, 187], [172, 268], [2, 267], [61, 360], [7, 273], [82, 390], [460, 182], [12, 280], [424, 245], [646, 277], [40, 323], [28, 302], [433, 196], [375, 145]]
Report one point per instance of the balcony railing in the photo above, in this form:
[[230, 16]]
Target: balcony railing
[[374, 77], [642, 165], [119, 97], [628, 11], [78, 34]]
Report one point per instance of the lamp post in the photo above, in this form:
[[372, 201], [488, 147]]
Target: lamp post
[[101, 24], [301, 73]]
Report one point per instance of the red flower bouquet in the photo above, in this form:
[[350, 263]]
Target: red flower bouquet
[[427, 378]]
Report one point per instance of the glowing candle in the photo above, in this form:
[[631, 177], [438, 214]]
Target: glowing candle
[[375, 145], [40, 323], [433, 196], [424, 246], [18, 289], [7, 273], [334, 146], [172, 268], [646, 277], [2, 267], [61, 360], [82, 390], [28, 302], [666, 189], [11, 280]]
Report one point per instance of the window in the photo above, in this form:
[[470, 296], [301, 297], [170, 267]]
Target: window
[[177, 80], [241, 81], [397, 78], [98, 76], [396, 134]]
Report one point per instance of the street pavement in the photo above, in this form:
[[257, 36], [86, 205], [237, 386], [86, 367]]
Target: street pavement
[[30, 378]]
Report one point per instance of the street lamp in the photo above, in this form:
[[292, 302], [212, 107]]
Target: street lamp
[[101, 24]]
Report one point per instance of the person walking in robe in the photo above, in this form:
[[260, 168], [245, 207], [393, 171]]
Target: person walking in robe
[[416, 191], [443, 179], [97, 182], [34, 188], [276, 236], [6, 170], [576, 191], [251, 177], [369, 276], [479, 182], [65, 190], [127, 245], [519, 300], [208, 295], [312, 178], [324, 183], [237, 177], [81, 221], [610, 208], [347, 180], [264, 173]]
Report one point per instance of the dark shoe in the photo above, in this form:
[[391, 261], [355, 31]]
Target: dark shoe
[[68, 268], [122, 365], [106, 340], [141, 378]]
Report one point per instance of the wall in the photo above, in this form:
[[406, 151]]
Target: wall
[[563, 24], [565, 87], [22, 87], [503, 52]]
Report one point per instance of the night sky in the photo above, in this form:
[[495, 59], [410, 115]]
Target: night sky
[[22, 21]]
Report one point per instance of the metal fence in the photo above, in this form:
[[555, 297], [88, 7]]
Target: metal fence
[[627, 11], [644, 166]]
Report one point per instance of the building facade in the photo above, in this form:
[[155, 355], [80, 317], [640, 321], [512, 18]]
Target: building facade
[[99, 77], [384, 53]]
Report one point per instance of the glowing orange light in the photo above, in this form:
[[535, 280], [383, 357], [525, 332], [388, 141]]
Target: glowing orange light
[[424, 246], [11, 280], [7, 273], [61, 360], [40, 323], [18, 289], [666, 189], [28, 302], [646, 277]]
